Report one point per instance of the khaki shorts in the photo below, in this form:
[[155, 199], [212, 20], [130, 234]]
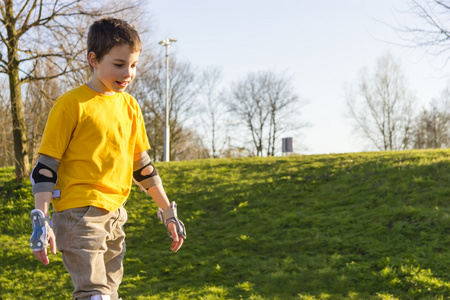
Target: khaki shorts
[[92, 242]]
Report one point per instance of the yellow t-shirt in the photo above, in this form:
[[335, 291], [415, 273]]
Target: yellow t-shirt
[[95, 138]]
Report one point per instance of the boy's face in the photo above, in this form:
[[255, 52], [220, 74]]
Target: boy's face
[[115, 71]]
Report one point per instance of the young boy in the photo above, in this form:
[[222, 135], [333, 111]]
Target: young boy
[[93, 146]]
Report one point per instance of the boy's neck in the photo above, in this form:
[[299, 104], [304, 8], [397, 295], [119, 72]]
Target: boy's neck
[[96, 88]]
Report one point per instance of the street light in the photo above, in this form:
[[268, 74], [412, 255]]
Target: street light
[[167, 44]]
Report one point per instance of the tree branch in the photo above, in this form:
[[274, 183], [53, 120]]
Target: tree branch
[[443, 4], [24, 6], [47, 55]]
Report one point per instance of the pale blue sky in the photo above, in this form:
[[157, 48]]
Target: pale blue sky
[[323, 44]]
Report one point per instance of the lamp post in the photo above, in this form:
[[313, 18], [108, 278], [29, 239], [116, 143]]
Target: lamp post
[[167, 44]]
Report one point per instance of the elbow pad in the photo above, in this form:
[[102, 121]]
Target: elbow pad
[[149, 180], [41, 182]]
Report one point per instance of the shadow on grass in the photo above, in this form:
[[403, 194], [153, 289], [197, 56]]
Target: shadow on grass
[[313, 230], [24, 277], [358, 226]]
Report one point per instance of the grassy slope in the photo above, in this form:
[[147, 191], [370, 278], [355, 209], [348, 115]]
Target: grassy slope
[[347, 226]]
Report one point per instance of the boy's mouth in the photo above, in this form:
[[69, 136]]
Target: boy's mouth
[[122, 83]]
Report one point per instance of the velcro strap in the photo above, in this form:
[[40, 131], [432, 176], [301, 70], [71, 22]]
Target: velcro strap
[[149, 182], [141, 162], [170, 213]]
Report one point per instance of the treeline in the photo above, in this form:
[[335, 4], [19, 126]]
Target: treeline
[[43, 54], [386, 113], [207, 120]]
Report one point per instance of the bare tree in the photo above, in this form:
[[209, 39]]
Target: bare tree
[[6, 144], [247, 102], [189, 146], [281, 97], [146, 88], [432, 128], [149, 90], [430, 30], [431, 27], [382, 106], [213, 110], [36, 32], [263, 101], [39, 98]]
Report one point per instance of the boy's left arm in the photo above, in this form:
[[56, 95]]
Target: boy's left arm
[[147, 178]]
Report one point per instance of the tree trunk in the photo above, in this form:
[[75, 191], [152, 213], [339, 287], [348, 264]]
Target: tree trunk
[[17, 113], [274, 133], [19, 128]]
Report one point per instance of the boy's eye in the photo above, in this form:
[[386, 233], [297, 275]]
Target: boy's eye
[[118, 65]]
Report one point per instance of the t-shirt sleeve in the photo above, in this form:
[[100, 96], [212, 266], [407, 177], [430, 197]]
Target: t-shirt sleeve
[[142, 143], [58, 130]]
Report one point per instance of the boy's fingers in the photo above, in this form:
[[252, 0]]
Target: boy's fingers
[[52, 243], [177, 241], [176, 245], [42, 256], [45, 257]]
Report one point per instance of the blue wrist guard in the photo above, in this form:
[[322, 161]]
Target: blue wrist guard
[[41, 227]]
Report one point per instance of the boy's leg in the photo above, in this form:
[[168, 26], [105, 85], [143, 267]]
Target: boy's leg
[[81, 236], [116, 252]]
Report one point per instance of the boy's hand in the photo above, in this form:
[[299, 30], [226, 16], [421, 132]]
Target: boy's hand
[[42, 255], [176, 228], [177, 240], [42, 236]]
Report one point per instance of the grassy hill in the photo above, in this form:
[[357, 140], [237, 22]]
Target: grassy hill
[[347, 226]]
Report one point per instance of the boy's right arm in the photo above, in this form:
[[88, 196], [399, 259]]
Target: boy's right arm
[[42, 202], [43, 178]]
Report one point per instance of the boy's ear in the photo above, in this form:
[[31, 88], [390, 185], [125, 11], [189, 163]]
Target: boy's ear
[[92, 59]]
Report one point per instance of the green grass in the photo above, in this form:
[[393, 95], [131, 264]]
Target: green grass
[[346, 226]]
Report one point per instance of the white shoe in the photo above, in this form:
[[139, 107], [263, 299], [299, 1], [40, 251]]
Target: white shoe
[[101, 297]]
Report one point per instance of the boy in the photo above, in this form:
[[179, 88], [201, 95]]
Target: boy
[[93, 146]]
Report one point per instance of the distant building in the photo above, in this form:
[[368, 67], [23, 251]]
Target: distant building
[[237, 152]]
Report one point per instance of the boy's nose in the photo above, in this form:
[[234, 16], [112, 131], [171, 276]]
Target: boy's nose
[[128, 72]]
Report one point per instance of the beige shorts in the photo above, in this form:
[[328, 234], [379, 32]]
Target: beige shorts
[[92, 242]]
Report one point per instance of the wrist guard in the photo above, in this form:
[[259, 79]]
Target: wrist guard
[[170, 216], [41, 227]]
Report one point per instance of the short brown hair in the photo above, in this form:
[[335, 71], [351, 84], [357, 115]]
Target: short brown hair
[[106, 33]]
